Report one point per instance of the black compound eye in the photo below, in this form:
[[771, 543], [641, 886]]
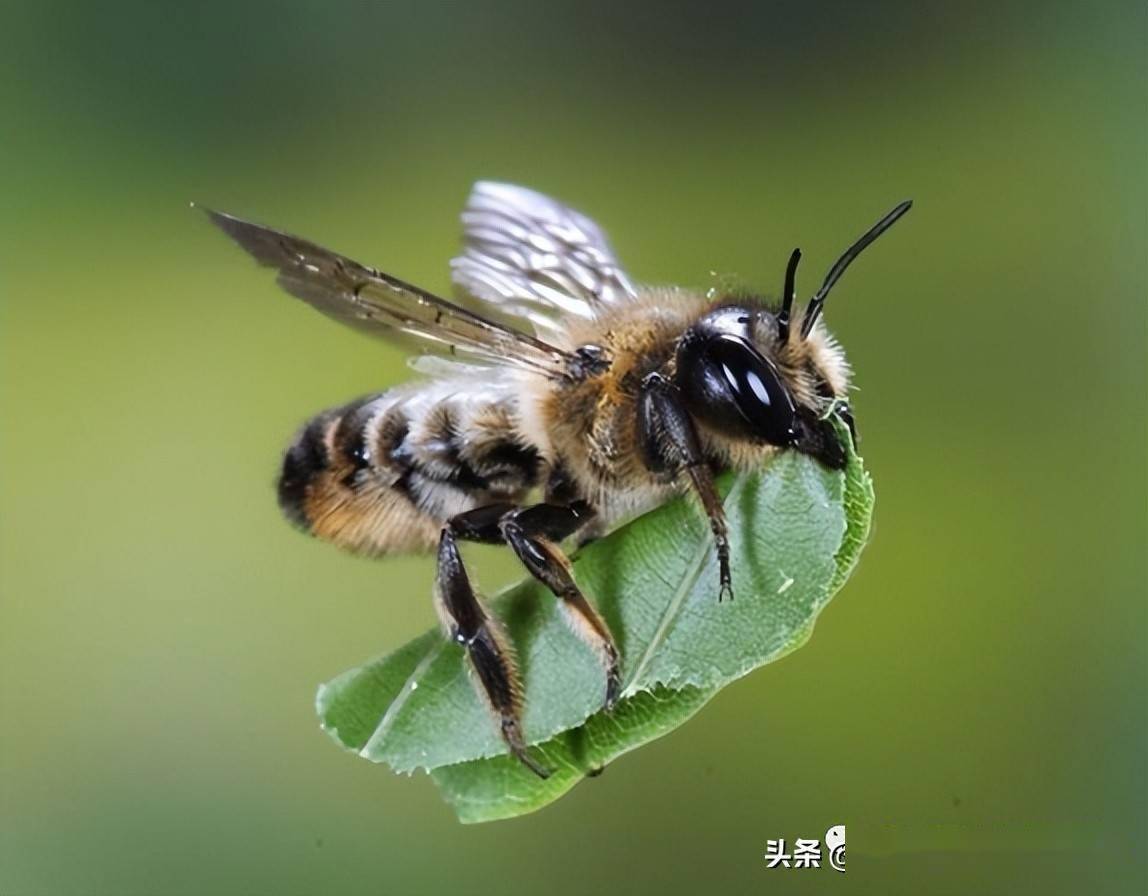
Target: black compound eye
[[755, 388], [730, 384]]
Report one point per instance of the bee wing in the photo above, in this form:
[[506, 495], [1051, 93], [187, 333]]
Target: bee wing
[[529, 256], [382, 305]]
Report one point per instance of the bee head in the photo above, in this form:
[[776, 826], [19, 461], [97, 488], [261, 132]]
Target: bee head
[[734, 383], [742, 370]]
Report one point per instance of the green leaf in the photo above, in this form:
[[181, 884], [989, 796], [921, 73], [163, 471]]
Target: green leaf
[[797, 531]]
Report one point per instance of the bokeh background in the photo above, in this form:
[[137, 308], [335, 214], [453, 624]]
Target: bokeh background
[[972, 706]]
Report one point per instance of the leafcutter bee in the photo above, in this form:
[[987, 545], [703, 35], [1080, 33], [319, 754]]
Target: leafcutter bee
[[568, 400]]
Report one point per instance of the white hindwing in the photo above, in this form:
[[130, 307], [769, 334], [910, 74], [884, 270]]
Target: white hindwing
[[531, 257]]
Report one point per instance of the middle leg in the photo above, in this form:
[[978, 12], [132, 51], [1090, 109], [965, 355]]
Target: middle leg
[[533, 533]]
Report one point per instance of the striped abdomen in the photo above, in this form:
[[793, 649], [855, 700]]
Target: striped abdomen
[[382, 474]]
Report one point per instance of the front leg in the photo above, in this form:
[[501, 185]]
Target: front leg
[[670, 444]]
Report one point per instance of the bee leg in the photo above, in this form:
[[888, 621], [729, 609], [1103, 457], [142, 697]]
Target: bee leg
[[486, 645], [533, 533], [670, 444]]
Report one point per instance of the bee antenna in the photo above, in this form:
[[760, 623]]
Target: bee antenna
[[813, 310], [787, 297]]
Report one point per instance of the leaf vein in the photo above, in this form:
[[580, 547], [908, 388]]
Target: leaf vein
[[674, 607], [388, 720]]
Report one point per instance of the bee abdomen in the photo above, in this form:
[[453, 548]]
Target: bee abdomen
[[382, 474], [307, 458]]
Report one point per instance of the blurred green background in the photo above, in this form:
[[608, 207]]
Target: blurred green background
[[972, 706]]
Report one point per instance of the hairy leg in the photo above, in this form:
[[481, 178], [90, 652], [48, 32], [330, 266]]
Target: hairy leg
[[670, 444], [488, 650], [533, 533]]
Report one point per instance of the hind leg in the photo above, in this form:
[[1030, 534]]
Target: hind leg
[[533, 534], [486, 645]]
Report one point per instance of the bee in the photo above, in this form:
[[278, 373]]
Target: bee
[[564, 399]]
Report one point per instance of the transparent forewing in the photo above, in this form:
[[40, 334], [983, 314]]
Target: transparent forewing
[[532, 257], [380, 304]]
